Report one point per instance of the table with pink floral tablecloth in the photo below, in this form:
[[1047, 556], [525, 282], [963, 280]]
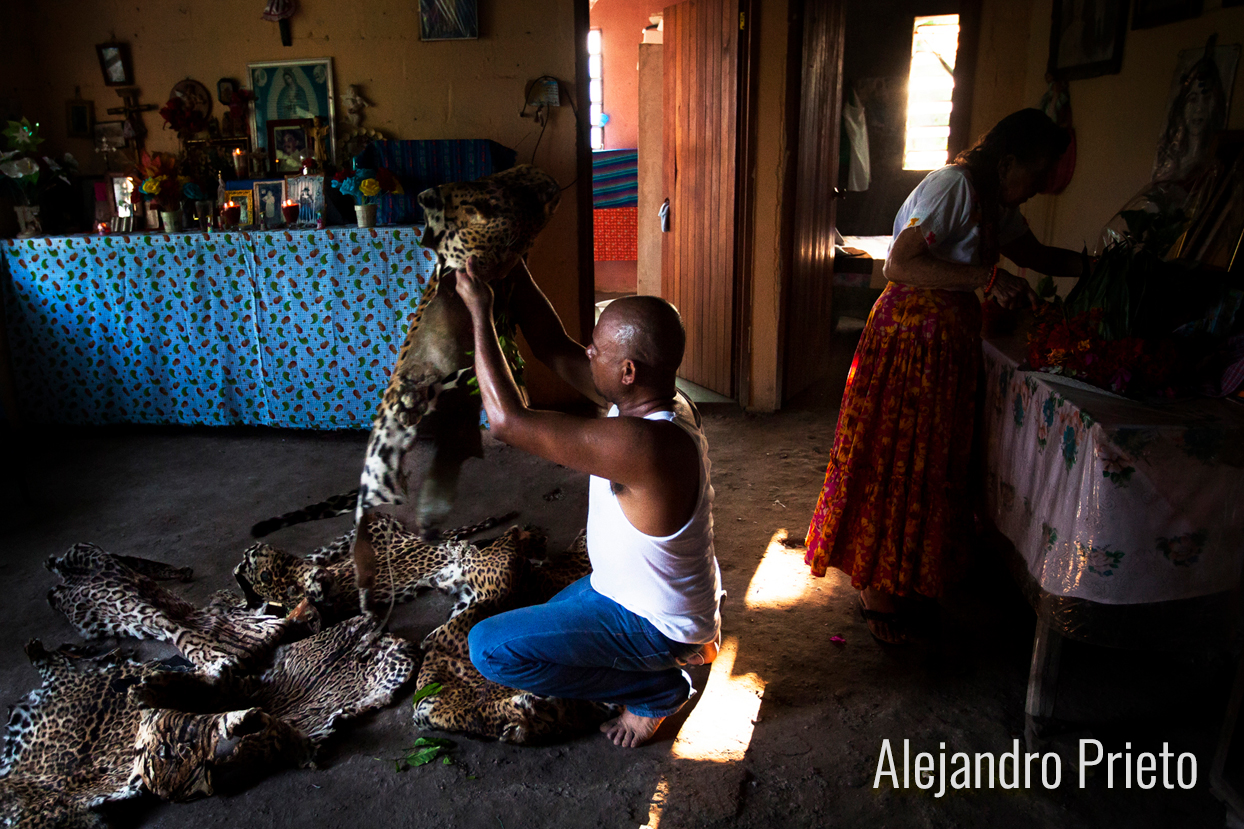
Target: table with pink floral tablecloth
[[275, 328], [1109, 499]]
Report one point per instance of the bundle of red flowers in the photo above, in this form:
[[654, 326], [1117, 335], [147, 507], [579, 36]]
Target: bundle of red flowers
[[1073, 346], [182, 118]]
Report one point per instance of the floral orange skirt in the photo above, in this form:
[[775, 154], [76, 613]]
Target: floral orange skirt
[[894, 512]]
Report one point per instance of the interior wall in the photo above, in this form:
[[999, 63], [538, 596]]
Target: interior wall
[[876, 63], [1117, 117], [621, 24], [418, 90]]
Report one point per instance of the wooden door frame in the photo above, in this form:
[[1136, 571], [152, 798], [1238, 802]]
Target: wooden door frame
[[583, 170], [745, 198]]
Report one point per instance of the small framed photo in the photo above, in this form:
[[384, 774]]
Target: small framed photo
[[225, 87], [448, 20], [114, 61], [289, 140], [246, 200], [308, 193], [269, 196], [1085, 40], [80, 118], [121, 188], [109, 136]]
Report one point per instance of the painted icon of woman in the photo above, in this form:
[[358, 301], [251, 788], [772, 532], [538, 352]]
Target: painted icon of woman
[[1198, 110]]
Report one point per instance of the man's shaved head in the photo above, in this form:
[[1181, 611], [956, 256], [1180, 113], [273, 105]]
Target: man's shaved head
[[649, 330]]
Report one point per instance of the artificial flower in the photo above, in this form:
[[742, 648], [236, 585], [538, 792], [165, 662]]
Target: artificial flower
[[369, 187]]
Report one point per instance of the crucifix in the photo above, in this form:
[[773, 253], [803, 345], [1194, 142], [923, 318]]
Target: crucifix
[[133, 112]]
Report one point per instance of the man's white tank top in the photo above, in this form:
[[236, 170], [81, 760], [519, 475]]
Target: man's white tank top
[[674, 581]]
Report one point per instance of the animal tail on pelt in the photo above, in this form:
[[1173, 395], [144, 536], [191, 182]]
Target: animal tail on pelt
[[328, 508]]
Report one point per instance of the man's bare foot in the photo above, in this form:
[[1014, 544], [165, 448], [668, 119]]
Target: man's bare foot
[[631, 730]]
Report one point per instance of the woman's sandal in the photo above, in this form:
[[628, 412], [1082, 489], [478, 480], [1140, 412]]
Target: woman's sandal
[[892, 621]]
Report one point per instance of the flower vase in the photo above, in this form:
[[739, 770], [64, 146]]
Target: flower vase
[[366, 214], [27, 220], [172, 220]]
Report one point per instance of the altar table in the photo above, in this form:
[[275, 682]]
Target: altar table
[[1128, 516], [287, 328]]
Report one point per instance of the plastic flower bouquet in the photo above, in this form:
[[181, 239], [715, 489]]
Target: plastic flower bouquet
[[161, 183], [366, 185], [27, 173]]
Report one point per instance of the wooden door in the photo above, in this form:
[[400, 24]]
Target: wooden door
[[809, 329], [701, 104]]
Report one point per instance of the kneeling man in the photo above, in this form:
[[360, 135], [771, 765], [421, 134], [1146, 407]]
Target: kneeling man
[[651, 603]]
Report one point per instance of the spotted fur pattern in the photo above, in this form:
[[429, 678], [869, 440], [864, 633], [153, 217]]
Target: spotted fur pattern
[[103, 596], [468, 702], [69, 744], [478, 577]]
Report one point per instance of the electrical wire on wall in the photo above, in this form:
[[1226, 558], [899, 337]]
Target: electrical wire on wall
[[542, 112]]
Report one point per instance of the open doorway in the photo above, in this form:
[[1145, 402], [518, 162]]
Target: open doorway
[[623, 142]]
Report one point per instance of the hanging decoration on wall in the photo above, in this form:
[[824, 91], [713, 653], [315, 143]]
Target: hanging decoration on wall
[[1086, 40], [448, 20], [1056, 103], [133, 129], [279, 12]]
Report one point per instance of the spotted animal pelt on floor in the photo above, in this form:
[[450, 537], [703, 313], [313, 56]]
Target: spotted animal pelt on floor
[[104, 595], [69, 745], [466, 701], [481, 578]]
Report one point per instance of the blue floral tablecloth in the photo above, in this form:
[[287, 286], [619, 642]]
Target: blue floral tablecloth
[[1109, 499], [277, 328]]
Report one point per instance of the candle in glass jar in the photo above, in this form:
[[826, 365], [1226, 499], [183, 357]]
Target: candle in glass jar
[[241, 163], [289, 210], [230, 214]]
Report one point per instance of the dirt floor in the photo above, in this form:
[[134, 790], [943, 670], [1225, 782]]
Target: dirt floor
[[789, 724]]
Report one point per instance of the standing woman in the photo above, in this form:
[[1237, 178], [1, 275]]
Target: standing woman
[[894, 513]]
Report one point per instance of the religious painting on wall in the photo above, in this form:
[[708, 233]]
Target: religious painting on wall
[[448, 20], [1086, 39], [1196, 109], [291, 90]]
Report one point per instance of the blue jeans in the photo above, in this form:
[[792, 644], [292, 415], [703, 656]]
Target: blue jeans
[[582, 645]]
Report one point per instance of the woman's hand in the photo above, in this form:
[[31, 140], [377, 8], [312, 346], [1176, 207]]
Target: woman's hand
[[475, 292], [1013, 292]]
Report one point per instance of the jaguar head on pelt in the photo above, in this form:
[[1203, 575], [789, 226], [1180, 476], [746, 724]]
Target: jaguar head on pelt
[[494, 219]]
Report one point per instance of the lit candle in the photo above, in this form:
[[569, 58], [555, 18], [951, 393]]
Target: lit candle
[[241, 163], [230, 213], [289, 210]]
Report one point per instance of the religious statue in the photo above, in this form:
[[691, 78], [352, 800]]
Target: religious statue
[[354, 106], [318, 133]]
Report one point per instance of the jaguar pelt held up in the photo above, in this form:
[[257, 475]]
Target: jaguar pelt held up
[[495, 220]]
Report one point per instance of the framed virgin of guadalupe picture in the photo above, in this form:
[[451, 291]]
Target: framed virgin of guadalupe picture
[[287, 90]]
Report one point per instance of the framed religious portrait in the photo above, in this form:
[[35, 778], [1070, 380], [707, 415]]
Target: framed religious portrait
[[448, 20], [1086, 39], [292, 90], [269, 196], [308, 193], [114, 61], [80, 118], [120, 188], [1150, 13], [289, 141], [246, 200]]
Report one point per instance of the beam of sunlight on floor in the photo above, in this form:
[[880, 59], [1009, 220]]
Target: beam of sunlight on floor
[[720, 728], [657, 804], [781, 579]]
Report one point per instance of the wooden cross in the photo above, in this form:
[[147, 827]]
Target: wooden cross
[[132, 110]]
